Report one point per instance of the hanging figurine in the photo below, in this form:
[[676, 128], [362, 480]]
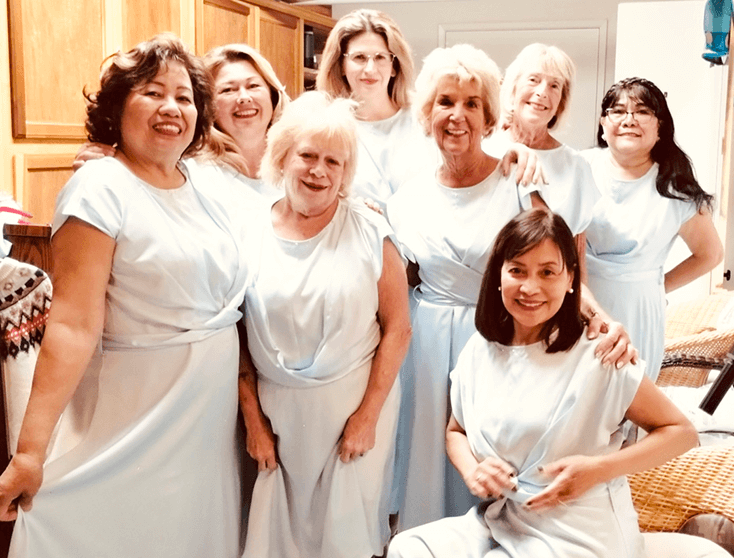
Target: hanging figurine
[[716, 21]]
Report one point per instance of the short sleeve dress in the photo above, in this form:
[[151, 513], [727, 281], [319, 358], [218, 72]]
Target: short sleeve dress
[[449, 233], [390, 152], [145, 461], [631, 233], [531, 408], [313, 331]]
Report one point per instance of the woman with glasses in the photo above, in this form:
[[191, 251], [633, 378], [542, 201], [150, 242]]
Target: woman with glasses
[[367, 57], [650, 197], [535, 96]]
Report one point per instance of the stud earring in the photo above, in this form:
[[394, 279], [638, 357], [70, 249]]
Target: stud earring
[[499, 288], [570, 291]]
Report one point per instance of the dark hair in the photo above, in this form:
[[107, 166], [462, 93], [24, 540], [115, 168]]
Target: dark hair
[[676, 179], [139, 66], [521, 234]]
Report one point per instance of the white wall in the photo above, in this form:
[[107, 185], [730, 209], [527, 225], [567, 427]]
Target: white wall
[[419, 21]]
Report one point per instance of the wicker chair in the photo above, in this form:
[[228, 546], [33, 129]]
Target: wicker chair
[[701, 481], [698, 482]]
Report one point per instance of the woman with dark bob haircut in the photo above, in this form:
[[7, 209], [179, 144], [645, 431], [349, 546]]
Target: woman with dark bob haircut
[[139, 364], [534, 413], [650, 197]]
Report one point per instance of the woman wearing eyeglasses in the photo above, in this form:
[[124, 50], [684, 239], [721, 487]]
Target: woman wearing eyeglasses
[[650, 197], [367, 57]]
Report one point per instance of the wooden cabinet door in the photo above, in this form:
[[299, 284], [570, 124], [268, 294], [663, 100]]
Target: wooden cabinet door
[[223, 22], [281, 42], [141, 19], [55, 51]]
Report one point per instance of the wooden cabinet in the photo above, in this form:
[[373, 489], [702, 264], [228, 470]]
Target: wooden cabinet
[[275, 28], [55, 49]]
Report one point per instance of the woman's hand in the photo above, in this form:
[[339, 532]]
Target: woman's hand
[[19, 484], [572, 477], [616, 347], [491, 478], [89, 151], [370, 204], [261, 444], [529, 170], [358, 437]]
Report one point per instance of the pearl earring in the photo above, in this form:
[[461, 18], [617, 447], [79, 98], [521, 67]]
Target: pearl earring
[[499, 288], [570, 291]]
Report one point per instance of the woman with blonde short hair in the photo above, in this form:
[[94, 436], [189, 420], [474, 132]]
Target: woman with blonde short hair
[[327, 328]]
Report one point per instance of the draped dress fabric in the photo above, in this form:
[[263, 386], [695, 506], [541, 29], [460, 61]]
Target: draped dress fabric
[[313, 331], [145, 461], [390, 152], [631, 233], [449, 233], [530, 408], [569, 190]]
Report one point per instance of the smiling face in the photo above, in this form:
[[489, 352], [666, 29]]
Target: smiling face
[[534, 285], [242, 100], [536, 98], [630, 137], [370, 79], [313, 173], [159, 117], [457, 117]]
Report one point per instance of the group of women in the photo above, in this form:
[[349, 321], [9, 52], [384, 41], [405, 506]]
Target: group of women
[[218, 197]]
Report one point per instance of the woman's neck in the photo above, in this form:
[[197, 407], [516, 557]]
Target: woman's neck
[[161, 173], [252, 150], [534, 138], [629, 166], [465, 170], [291, 224], [376, 108]]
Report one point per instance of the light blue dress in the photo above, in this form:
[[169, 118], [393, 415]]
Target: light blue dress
[[530, 408], [630, 236], [145, 462], [313, 331], [390, 152], [449, 233]]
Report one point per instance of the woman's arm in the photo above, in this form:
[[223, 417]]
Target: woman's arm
[[701, 237], [90, 151], [261, 441], [670, 433], [615, 348], [82, 262], [394, 318], [490, 477], [528, 169]]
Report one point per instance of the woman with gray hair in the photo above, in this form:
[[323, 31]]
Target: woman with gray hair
[[327, 326], [446, 220], [535, 95]]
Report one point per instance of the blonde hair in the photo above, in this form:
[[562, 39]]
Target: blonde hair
[[465, 63], [221, 146], [315, 115], [551, 60], [330, 78]]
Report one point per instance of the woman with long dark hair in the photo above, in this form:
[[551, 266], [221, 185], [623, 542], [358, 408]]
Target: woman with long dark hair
[[650, 197]]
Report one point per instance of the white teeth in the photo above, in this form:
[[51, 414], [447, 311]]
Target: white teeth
[[456, 132], [529, 304], [167, 129], [245, 113]]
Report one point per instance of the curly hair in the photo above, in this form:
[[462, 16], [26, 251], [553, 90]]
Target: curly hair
[[330, 122], [676, 179], [126, 71]]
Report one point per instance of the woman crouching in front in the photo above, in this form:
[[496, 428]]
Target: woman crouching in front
[[534, 415]]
